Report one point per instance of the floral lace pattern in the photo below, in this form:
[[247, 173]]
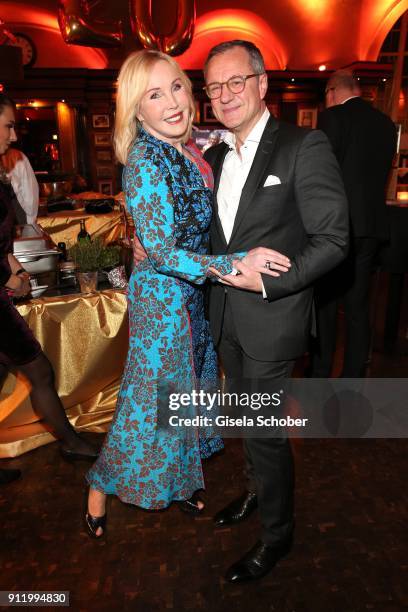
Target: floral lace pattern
[[141, 462]]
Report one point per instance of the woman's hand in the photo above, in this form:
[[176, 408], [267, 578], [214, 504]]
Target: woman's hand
[[266, 261], [139, 254], [14, 264], [257, 261], [26, 288], [19, 285]]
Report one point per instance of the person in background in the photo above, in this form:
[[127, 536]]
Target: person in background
[[364, 142], [213, 139], [18, 346], [24, 183]]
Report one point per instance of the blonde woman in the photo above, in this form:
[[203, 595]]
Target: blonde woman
[[168, 192]]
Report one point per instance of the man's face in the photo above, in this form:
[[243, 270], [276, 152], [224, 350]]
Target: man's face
[[7, 133], [238, 112]]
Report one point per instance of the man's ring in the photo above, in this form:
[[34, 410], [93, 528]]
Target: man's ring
[[268, 265]]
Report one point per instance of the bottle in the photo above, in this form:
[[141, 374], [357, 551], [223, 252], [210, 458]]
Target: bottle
[[83, 234], [63, 251], [126, 251]]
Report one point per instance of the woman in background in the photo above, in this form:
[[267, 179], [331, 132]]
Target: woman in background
[[18, 347]]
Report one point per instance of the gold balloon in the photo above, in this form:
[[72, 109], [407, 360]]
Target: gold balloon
[[76, 29], [177, 41]]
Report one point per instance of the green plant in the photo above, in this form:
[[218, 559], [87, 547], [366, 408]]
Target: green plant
[[93, 255], [110, 257]]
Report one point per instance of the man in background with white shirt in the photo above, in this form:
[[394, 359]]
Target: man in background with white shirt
[[276, 186], [24, 184]]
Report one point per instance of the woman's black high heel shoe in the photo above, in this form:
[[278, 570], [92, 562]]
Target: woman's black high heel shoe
[[93, 523], [190, 506]]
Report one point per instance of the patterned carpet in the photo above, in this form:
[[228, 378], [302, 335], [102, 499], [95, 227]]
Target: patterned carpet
[[350, 551]]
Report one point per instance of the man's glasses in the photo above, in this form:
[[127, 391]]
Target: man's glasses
[[329, 89], [235, 84]]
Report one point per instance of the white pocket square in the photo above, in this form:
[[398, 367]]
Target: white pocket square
[[272, 180]]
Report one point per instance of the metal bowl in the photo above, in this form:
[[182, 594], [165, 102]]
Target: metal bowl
[[57, 188], [39, 290], [40, 262]]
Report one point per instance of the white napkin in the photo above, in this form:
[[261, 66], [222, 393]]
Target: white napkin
[[272, 180]]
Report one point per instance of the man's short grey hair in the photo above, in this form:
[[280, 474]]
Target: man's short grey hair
[[255, 56], [343, 79]]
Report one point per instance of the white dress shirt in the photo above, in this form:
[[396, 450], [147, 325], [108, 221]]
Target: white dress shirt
[[235, 172], [23, 181]]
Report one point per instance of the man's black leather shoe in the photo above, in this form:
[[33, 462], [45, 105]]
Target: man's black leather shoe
[[7, 476], [257, 562], [238, 510]]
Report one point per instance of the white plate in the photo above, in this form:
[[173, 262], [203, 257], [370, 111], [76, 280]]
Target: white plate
[[37, 291]]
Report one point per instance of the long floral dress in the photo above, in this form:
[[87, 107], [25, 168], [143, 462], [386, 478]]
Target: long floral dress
[[141, 462]]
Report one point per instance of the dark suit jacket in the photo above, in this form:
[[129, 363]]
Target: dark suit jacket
[[364, 142], [304, 217]]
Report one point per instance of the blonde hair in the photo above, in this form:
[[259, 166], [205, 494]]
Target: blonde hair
[[132, 85]]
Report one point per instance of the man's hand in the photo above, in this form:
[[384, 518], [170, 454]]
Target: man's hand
[[139, 254], [266, 260]]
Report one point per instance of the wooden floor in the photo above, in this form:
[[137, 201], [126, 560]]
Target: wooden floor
[[350, 551]]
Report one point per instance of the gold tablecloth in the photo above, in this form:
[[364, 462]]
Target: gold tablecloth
[[86, 338], [64, 226]]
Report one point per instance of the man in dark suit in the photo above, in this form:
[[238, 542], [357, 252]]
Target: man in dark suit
[[276, 186], [364, 142]]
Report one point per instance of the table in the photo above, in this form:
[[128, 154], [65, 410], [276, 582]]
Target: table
[[64, 226], [86, 339]]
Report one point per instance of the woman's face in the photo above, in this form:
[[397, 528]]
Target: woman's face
[[165, 107], [7, 132]]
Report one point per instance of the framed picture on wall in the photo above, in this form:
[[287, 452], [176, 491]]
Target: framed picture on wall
[[104, 170], [100, 121], [208, 115], [105, 187], [103, 139], [104, 155], [307, 117]]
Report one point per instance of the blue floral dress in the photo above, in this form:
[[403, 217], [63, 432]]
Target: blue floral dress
[[141, 462]]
